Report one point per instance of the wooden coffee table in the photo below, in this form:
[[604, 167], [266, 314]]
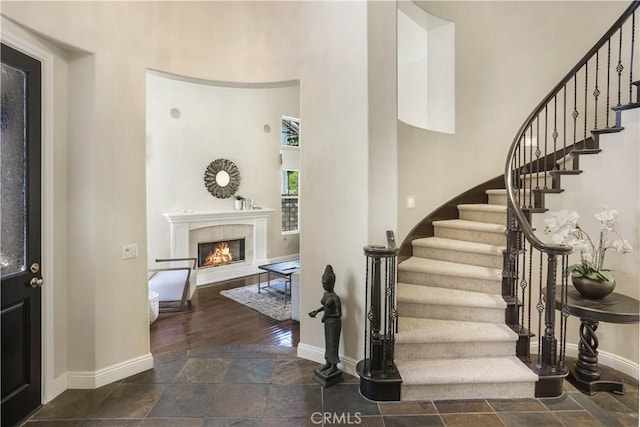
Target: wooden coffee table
[[281, 269]]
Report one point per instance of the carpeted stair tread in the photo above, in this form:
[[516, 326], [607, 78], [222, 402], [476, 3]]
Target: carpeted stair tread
[[470, 225], [420, 294], [459, 245], [421, 330], [482, 207], [464, 371], [446, 268]]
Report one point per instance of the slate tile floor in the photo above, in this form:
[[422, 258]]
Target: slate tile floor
[[249, 385]]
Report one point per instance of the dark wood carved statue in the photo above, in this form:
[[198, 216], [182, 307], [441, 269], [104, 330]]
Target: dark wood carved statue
[[329, 374]]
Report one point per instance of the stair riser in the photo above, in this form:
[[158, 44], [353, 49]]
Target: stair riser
[[501, 198], [497, 239], [515, 390], [483, 216], [451, 282], [541, 181], [498, 199], [447, 312], [451, 350], [482, 260]]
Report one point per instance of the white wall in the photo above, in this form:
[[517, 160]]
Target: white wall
[[587, 193], [323, 45], [426, 69], [508, 57], [215, 122]]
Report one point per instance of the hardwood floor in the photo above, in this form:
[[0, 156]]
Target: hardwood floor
[[216, 320]]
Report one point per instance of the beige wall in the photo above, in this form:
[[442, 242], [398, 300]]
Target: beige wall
[[322, 44], [215, 122], [509, 55], [325, 46]]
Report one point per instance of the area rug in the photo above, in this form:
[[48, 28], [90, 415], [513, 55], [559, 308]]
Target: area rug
[[270, 300]]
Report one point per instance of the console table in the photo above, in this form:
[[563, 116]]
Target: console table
[[585, 374]]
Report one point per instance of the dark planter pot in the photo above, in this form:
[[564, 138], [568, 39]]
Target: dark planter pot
[[594, 289]]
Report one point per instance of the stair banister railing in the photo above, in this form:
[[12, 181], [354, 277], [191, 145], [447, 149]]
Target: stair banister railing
[[563, 126]]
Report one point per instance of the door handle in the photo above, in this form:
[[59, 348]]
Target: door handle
[[36, 282]]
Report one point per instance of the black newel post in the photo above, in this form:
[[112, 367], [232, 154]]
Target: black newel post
[[379, 378]]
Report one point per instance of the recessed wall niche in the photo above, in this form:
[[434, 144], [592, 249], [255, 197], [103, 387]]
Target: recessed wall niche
[[217, 120]]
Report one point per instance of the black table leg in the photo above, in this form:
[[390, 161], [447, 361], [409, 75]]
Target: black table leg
[[585, 374]]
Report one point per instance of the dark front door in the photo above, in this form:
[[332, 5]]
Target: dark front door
[[20, 246]]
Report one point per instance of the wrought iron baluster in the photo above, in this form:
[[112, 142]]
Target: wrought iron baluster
[[564, 121], [575, 112], [596, 92], [608, 79], [620, 67], [633, 40], [586, 88], [555, 128]]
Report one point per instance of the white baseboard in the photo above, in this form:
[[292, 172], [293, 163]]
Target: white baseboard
[[95, 379], [59, 385], [610, 360], [605, 358], [316, 354]]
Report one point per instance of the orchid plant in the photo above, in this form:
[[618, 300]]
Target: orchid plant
[[563, 228]]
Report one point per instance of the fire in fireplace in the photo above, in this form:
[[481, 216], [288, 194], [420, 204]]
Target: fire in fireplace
[[214, 254]]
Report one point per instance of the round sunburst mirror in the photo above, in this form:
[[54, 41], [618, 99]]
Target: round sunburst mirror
[[222, 178]]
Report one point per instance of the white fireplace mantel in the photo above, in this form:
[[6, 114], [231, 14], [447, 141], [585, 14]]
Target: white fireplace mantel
[[181, 223]]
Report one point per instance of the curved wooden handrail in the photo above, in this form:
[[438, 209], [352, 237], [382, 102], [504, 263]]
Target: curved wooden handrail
[[519, 215]]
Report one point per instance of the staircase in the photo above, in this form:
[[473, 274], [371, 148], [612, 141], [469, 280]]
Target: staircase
[[452, 340], [465, 294]]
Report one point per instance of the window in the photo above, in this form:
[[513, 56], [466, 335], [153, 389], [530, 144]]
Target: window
[[289, 171]]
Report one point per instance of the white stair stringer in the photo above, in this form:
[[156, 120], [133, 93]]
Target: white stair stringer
[[452, 340]]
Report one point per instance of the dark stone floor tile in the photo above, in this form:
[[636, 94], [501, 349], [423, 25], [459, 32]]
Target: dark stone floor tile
[[121, 422], [184, 401], [294, 371], [203, 371], [577, 419], [289, 422], [517, 405], [129, 401], [170, 357], [346, 399], [607, 409], [562, 403], [57, 423], [216, 351], [355, 420], [407, 408], [293, 401], [242, 371], [161, 373], [629, 399], [537, 419], [232, 422], [413, 421], [74, 404], [460, 406], [475, 420], [568, 387], [171, 422], [350, 379], [239, 401]]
